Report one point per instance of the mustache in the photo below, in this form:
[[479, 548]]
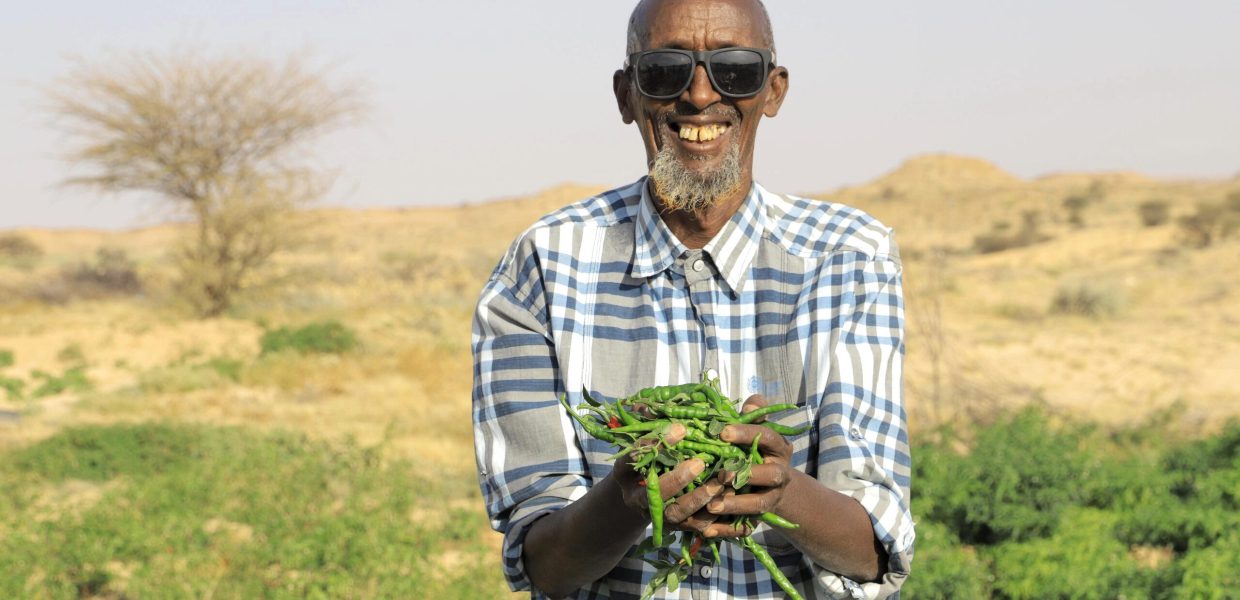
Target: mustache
[[715, 110]]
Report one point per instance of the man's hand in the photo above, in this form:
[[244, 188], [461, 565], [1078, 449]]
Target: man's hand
[[767, 481], [632, 483]]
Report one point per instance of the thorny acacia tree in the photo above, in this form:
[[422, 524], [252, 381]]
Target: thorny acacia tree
[[223, 139]]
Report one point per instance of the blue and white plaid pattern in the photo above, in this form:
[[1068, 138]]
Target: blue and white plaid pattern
[[796, 299]]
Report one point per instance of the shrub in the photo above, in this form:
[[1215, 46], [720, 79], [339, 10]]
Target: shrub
[[180, 377], [1213, 222], [19, 250], [111, 273], [1154, 212], [1087, 299], [1013, 485], [1000, 237], [1083, 561], [12, 387], [326, 337], [944, 569], [1075, 205], [6, 358], [1212, 574], [73, 379]]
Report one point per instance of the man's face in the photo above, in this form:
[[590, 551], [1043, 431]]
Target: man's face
[[719, 161]]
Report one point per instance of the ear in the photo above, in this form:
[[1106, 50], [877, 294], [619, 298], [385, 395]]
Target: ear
[[778, 82], [621, 86]]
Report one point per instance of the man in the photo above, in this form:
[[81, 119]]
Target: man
[[696, 269]]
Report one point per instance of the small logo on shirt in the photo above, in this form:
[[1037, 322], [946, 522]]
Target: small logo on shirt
[[766, 388]]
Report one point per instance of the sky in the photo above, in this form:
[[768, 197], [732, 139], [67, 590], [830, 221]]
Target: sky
[[485, 99]]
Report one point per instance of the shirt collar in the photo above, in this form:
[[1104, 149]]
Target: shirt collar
[[655, 247]]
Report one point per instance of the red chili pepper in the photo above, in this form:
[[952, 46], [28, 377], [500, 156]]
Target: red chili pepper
[[696, 545], [613, 422]]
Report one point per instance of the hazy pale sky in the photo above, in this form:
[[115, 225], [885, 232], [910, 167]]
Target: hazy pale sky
[[474, 100]]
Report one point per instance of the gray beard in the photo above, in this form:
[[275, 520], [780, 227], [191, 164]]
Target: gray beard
[[682, 189]]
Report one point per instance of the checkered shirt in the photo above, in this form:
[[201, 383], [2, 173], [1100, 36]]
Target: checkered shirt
[[799, 300]]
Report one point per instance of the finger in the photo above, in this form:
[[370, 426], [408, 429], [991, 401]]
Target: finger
[[753, 403], [692, 502], [673, 482], [742, 504], [720, 530], [769, 444], [697, 522], [768, 476]]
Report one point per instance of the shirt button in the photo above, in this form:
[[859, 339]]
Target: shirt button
[[698, 265], [705, 571], [711, 374], [855, 433]]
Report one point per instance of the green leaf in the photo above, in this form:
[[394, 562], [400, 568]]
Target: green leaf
[[673, 581], [715, 427]]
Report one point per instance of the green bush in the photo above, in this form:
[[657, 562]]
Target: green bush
[[12, 387], [325, 337], [1212, 574], [72, 379], [6, 358], [944, 569], [1018, 478], [1081, 561]]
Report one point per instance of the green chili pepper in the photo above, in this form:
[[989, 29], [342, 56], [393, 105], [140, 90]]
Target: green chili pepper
[[765, 558], [655, 498], [773, 519], [784, 429], [725, 451], [686, 412], [723, 405], [594, 429], [754, 415]]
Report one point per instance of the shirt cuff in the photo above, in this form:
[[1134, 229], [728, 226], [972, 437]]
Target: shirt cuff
[[519, 526], [894, 529]]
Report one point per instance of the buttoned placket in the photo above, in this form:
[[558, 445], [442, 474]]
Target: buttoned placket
[[699, 274]]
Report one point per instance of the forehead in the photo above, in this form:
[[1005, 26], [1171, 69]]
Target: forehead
[[703, 24]]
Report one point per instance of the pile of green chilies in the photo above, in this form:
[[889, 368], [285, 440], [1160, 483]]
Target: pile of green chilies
[[637, 424]]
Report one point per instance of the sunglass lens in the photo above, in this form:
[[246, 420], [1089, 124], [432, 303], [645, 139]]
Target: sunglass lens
[[663, 73], [738, 72]]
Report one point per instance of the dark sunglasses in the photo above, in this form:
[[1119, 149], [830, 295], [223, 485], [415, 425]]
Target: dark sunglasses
[[734, 72]]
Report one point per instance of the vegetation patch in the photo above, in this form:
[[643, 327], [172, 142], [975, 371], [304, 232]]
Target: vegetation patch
[[1038, 510], [232, 513], [323, 337]]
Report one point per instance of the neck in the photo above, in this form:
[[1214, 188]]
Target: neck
[[697, 228]]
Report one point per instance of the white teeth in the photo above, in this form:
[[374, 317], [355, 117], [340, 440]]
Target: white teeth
[[705, 133]]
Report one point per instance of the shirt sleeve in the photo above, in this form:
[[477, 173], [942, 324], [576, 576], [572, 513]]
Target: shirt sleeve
[[863, 444], [529, 462]]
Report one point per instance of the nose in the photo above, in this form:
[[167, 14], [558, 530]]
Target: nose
[[700, 93]]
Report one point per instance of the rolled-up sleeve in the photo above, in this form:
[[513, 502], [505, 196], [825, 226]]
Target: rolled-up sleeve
[[529, 462], [863, 443]]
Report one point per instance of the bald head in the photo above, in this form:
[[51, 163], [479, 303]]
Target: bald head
[[639, 26]]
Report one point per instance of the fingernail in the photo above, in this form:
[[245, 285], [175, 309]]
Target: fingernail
[[714, 487], [696, 466], [715, 506], [726, 434], [711, 532]]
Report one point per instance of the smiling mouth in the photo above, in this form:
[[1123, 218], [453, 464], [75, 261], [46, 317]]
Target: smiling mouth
[[699, 133]]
